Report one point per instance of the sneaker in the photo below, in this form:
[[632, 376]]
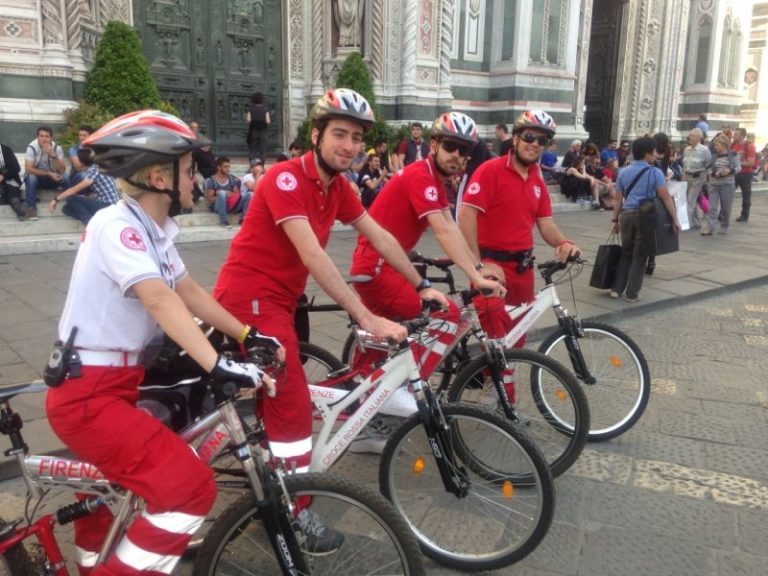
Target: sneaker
[[374, 436], [723, 231], [226, 225], [32, 214], [613, 294], [631, 300], [318, 539], [741, 219], [649, 268]]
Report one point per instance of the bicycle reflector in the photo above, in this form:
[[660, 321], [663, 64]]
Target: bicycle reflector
[[616, 361], [561, 394], [418, 465], [507, 490]]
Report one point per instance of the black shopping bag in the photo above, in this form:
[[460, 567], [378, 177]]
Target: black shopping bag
[[606, 263], [657, 228]]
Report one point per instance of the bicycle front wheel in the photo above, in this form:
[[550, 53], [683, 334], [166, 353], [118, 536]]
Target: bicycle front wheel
[[505, 511], [317, 362], [15, 561], [375, 538], [621, 381], [555, 414]]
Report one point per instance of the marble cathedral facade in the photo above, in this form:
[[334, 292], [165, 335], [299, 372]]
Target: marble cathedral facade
[[603, 68]]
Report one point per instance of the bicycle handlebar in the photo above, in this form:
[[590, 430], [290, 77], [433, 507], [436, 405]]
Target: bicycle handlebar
[[443, 263], [547, 269]]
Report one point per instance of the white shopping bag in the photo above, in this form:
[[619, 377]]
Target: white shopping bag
[[679, 193]]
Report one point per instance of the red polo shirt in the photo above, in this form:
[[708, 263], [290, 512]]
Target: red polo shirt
[[401, 208], [508, 205], [262, 261]]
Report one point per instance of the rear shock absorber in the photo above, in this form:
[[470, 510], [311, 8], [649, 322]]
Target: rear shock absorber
[[77, 510]]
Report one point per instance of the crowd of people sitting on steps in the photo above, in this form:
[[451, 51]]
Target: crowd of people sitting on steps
[[585, 173]]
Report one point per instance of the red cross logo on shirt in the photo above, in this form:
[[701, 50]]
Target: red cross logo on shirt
[[286, 181], [132, 240]]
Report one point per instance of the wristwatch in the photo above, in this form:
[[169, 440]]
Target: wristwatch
[[423, 285]]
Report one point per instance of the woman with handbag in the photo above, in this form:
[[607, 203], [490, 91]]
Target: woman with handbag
[[722, 185], [637, 185]]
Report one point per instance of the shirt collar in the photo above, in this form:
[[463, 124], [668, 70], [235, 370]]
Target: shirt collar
[[168, 230]]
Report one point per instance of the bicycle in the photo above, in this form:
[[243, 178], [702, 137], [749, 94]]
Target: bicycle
[[610, 366], [455, 461], [556, 413], [256, 530]]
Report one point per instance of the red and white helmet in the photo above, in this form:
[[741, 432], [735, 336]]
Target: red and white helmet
[[456, 126], [345, 104], [537, 119], [138, 139]]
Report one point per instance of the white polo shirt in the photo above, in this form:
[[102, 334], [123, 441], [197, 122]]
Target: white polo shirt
[[120, 247]]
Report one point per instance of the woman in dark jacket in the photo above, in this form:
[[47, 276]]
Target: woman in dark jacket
[[10, 180], [258, 121]]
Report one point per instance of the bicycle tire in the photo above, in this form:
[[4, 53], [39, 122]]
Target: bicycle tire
[[559, 418], [333, 498], [16, 562], [474, 524], [318, 362], [620, 395], [346, 352]]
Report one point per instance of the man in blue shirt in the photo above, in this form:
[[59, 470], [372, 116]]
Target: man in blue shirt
[[549, 162], [611, 151], [638, 182]]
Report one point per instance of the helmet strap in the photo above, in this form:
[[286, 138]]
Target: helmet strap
[[175, 195], [324, 166]]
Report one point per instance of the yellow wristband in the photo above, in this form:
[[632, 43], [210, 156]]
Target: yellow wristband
[[243, 334]]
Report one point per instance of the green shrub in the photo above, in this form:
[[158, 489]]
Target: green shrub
[[85, 114], [119, 80], [354, 74], [305, 133]]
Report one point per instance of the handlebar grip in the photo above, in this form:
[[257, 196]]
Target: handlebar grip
[[415, 325], [468, 295]]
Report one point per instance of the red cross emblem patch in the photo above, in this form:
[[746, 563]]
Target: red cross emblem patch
[[286, 181], [131, 239]]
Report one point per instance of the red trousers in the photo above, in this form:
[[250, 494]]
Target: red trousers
[[96, 417], [287, 416], [390, 295]]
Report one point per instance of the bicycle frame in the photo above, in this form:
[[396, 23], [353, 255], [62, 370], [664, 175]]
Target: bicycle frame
[[385, 380], [528, 313], [216, 432]]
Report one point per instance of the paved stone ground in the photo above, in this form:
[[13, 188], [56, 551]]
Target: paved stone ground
[[684, 492]]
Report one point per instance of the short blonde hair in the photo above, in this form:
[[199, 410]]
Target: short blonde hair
[[722, 139], [141, 176]]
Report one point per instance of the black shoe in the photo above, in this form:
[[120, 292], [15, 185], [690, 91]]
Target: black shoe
[[742, 219], [319, 540], [649, 268]]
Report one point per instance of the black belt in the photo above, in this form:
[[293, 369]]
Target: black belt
[[694, 174], [524, 258], [504, 255]]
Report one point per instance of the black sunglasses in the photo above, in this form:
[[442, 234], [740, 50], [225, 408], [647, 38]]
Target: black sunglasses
[[451, 146], [530, 138]]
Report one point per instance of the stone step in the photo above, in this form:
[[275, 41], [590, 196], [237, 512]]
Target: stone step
[[59, 233]]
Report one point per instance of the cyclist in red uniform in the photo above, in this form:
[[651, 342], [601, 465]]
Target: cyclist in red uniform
[[505, 198], [282, 242], [412, 201], [128, 279]]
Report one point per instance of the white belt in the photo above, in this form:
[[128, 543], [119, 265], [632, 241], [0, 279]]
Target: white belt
[[109, 358]]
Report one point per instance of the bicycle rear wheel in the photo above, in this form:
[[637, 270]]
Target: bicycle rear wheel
[[555, 415], [508, 507], [622, 381], [376, 539]]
